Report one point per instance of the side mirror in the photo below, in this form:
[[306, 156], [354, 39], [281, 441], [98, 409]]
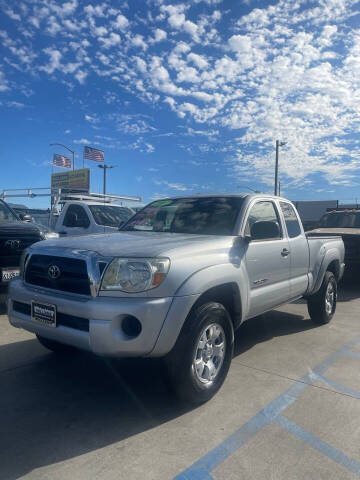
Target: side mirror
[[265, 230], [25, 217], [247, 238]]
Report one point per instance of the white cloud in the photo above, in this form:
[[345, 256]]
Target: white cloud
[[12, 14], [159, 36], [14, 104], [91, 118], [54, 60], [240, 43], [83, 141], [110, 41], [80, 76], [121, 22], [209, 2], [4, 84], [172, 186], [138, 41], [198, 60]]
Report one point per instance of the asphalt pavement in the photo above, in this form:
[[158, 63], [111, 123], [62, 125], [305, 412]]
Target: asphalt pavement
[[290, 408]]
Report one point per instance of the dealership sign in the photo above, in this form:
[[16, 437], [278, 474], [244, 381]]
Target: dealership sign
[[74, 180]]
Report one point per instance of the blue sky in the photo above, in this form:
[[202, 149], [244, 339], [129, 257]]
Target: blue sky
[[185, 97]]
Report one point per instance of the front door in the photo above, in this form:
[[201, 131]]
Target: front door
[[267, 259]]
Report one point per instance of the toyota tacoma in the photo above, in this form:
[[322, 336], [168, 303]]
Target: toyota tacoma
[[176, 282]]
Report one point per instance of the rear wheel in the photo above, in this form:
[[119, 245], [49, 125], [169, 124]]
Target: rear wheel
[[201, 357], [322, 305], [54, 346]]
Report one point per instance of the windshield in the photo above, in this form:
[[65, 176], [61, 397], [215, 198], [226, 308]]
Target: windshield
[[203, 216], [110, 215], [6, 215], [341, 220]]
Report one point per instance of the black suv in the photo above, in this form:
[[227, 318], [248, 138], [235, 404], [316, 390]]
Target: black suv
[[15, 236]]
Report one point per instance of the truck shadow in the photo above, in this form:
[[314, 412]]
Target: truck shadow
[[349, 288], [267, 326], [58, 408], [55, 408]]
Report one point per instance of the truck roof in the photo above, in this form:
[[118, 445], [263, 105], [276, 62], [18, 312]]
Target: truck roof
[[239, 195], [93, 202]]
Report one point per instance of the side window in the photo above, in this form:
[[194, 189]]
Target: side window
[[263, 222], [292, 223], [76, 217]]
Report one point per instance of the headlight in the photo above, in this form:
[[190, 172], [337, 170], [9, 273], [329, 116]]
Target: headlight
[[133, 275], [48, 235]]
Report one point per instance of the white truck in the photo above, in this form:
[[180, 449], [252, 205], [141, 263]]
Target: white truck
[[88, 217], [79, 213]]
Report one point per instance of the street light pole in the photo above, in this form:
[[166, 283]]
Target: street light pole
[[105, 167], [67, 148], [278, 145]]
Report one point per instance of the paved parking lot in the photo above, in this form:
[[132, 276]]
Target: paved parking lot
[[289, 409]]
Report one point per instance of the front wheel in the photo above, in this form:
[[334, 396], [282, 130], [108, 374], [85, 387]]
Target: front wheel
[[201, 357], [322, 304]]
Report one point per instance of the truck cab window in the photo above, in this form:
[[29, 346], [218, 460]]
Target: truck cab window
[[76, 217], [291, 220], [263, 222]]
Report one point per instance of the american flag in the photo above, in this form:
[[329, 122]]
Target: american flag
[[93, 154], [61, 161]]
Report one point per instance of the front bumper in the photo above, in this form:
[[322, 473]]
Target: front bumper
[[161, 320]]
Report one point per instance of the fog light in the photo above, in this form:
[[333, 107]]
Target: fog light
[[131, 326]]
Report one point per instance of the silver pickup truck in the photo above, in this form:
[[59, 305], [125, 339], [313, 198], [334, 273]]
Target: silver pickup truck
[[176, 282]]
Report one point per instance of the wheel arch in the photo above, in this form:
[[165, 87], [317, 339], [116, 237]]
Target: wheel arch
[[228, 295], [330, 263]]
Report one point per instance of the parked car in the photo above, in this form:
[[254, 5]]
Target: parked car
[[345, 223], [175, 282], [84, 218], [15, 236]]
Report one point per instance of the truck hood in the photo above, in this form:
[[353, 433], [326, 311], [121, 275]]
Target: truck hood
[[137, 244], [21, 228], [334, 231]]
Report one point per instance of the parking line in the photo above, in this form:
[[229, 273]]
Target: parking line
[[322, 447], [350, 353], [201, 469], [339, 386]]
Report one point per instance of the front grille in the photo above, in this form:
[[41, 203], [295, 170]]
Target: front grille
[[12, 246], [73, 275], [70, 321]]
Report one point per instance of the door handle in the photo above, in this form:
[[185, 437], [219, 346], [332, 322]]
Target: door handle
[[285, 252]]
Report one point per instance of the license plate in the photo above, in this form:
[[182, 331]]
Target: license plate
[[43, 313], [8, 274]]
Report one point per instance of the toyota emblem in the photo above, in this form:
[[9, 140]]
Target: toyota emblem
[[54, 272], [13, 244]]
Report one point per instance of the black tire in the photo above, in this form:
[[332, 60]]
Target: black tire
[[54, 346], [318, 311], [179, 363]]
